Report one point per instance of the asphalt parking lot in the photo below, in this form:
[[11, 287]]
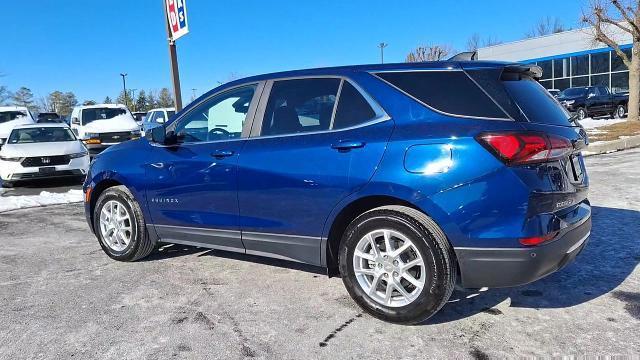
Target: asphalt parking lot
[[61, 297]]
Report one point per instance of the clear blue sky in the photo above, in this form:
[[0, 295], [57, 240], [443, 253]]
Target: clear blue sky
[[83, 45]]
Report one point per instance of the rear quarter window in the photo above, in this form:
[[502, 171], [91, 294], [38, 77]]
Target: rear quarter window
[[450, 92]]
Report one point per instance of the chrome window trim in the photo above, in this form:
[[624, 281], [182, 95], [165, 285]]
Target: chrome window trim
[[431, 107], [381, 114], [248, 121]]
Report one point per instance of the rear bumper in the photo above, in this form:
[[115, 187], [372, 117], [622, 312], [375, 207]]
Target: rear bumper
[[504, 267]]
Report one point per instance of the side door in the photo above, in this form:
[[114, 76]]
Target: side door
[[192, 186], [314, 141], [607, 101]]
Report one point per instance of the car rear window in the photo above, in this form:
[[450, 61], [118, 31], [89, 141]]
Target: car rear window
[[537, 104], [451, 92], [7, 116]]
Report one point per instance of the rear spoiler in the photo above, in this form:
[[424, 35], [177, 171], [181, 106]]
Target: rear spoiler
[[533, 71]]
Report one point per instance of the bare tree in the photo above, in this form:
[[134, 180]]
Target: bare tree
[[434, 52], [608, 17], [546, 26], [475, 42]]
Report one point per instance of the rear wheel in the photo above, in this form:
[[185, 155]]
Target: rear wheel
[[397, 264], [620, 111], [119, 225], [582, 113]]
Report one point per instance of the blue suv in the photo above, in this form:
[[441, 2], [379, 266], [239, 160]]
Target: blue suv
[[404, 179]]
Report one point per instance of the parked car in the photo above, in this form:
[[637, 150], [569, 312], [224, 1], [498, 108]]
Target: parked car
[[39, 151], [380, 173], [589, 101], [157, 117], [102, 125], [554, 92], [49, 117], [139, 117], [11, 116]]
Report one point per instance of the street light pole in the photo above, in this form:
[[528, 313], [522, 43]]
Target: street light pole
[[193, 95], [124, 86], [382, 45]]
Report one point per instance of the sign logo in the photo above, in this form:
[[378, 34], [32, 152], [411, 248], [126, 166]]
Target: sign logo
[[45, 160], [177, 17]]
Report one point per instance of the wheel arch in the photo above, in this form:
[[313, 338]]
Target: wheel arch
[[347, 214]]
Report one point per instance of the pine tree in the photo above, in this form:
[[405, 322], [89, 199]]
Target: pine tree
[[152, 103], [141, 101], [4, 95], [165, 99], [24, 97], [107, 100]]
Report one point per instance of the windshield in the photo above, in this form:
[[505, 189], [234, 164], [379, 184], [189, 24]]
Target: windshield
[[89, 115], [40, 135], [7, 116], [536, 103], [575, 92]]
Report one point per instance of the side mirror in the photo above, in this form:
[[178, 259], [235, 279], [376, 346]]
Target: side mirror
[[75, 120], [159, 135], [160, 120]]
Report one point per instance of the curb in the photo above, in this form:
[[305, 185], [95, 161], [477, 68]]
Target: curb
[[612, 146]]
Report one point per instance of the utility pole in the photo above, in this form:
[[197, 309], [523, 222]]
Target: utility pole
[[124, 87], [173, 58], [382, 45]]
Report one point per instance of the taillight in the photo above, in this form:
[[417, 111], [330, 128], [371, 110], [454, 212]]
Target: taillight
[[537, 240], [517, 148]]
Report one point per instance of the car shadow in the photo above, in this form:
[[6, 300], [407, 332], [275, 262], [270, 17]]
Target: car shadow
[[610, 256]]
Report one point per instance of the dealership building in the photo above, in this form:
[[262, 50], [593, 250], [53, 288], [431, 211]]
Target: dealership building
[[569, 58]]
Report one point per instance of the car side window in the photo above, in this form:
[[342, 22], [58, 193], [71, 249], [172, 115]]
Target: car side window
[[300, 105], [218, 118], [353, 109]]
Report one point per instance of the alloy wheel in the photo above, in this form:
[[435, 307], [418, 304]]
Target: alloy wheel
[[115, 225], [389, 268]]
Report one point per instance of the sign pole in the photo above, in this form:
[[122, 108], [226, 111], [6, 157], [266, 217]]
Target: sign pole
[[173, 58]]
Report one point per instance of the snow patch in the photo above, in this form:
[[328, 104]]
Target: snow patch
[[590, 123], [8, 203]]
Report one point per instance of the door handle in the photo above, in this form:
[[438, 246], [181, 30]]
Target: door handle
[[346, 145], [219, 154]]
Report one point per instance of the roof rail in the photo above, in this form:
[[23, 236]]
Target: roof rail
[[465, 56]]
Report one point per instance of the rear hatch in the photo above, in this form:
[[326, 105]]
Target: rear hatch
[[546, 154]]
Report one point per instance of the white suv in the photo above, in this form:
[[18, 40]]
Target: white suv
[[157, 117], [10, 116], [100, 126]]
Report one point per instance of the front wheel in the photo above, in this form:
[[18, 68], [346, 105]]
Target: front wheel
[[620, 111], [397, 264], [119, 225]]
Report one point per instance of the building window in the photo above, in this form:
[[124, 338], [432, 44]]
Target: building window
[[616, 61], [561, 84], [561, 68], [580, 65], [620, 82], [602, 79], [580, 81], [600, 63], [548, 84], [546, 69]]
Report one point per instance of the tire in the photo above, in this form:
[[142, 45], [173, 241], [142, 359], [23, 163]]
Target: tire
[[140, 244], [620, 111], [582, 113], [428, 241]]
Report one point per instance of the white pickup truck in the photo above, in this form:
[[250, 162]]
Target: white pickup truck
[[102, 125]]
